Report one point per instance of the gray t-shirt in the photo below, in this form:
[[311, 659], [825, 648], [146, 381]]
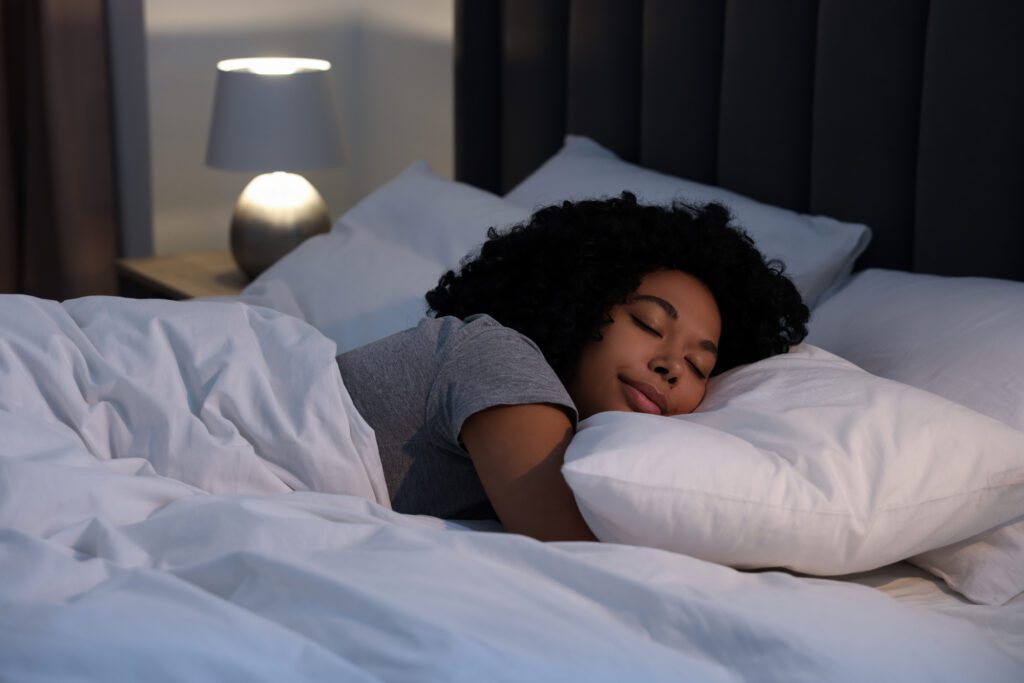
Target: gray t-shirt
[[417, 387]]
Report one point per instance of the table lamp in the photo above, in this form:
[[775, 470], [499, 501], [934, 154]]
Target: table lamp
[[275, 116]]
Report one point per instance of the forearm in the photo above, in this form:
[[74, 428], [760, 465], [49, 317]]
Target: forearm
[[518, 453]]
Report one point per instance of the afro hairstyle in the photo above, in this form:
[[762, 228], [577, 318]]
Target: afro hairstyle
[[556, 277]]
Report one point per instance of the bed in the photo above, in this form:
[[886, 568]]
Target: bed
[[187, 492]]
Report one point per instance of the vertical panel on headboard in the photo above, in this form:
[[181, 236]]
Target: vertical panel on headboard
[[867, 99], [767, 85], [682, 76], [478, 93], [908, 116], [604, 73], [970, 219], [533, 92]]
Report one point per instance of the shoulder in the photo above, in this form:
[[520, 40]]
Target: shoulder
[[450, 328], [479, 347], [481, 363], [475, 335]]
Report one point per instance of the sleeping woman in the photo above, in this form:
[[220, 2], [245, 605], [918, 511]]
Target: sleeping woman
[[588, 306]]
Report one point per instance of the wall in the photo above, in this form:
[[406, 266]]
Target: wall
[[393, 67]]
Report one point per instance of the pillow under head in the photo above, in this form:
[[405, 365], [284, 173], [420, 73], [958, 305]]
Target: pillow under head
[[802, 461], [961, 338]]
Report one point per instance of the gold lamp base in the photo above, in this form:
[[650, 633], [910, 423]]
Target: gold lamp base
[[275, 213]]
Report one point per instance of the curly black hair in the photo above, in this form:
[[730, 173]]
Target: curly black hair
[[556, 277]]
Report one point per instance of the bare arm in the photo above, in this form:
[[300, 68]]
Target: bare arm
[[517, 451]]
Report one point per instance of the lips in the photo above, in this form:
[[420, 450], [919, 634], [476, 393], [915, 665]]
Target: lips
[[646, 397]]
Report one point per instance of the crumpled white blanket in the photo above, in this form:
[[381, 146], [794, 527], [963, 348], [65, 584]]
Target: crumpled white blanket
[[225, 397], [141, 539]]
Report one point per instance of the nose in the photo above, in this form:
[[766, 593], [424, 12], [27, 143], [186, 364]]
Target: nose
[[669, 368]]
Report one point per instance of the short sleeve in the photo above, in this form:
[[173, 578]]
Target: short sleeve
[[487, 364]]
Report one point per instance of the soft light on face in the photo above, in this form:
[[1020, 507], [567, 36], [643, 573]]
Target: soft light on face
[[656, 354]]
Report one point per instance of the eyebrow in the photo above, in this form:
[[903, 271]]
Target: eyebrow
[[669, 308], [705, 344], [709, 345]]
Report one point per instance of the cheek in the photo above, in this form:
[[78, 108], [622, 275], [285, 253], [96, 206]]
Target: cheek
[[689, 397], [594, 360], [696, 396]]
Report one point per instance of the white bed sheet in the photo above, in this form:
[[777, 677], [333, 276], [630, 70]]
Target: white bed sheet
[[1004, 625], [113, 569], [306, 585]]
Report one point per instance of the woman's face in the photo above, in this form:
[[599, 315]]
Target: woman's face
[[657, 353]]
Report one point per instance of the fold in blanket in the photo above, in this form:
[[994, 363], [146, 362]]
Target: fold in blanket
[[225, 397]]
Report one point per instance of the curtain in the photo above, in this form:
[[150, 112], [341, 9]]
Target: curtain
[[58, 215]]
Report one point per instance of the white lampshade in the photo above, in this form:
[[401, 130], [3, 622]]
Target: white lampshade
[[274, 114]]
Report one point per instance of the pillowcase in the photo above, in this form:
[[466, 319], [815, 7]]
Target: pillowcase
[[819, 252], [958, 337], [367, 278], [437, 218], [961, 338], [352, 287], [803, 461]]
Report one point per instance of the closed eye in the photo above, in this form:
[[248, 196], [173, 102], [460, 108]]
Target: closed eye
[[696, 370], [644, 326]]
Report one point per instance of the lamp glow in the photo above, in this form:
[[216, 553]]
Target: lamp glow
[[274, 116], [279, 191], [275, 213], [273, 66]]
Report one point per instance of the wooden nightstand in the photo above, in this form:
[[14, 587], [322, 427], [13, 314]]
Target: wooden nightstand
[[183, 276]]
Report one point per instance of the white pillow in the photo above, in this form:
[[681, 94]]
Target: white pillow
[[818, 251], [959, 337], [435, 217], [367, 278], [801, 461], [352, 287], [963, 339]]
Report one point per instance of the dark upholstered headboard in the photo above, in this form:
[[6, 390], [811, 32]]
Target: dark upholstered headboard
[[907, 115]]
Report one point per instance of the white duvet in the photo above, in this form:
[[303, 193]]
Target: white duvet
[[187, 493]]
